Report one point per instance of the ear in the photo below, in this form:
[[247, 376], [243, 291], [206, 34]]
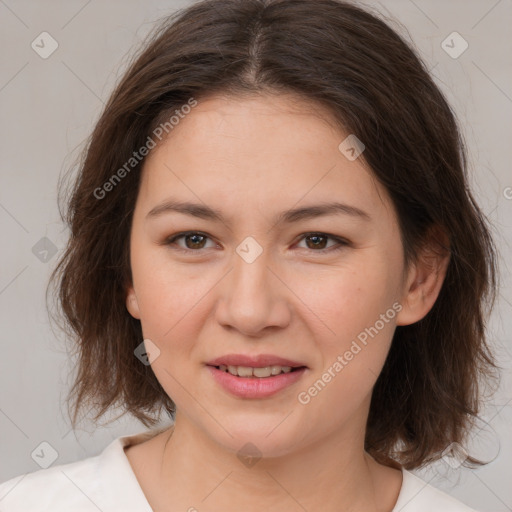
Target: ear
[[131, 303], [425, 277]]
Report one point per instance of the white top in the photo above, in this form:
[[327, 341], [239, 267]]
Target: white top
[[107, 483]]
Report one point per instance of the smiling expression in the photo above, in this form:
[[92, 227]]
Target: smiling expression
[[253, 234]]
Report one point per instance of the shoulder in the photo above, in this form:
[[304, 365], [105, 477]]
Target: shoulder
[[105, 482], [417, 495], [64, 487]]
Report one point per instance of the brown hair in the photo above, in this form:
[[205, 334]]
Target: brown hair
[[376, 87]]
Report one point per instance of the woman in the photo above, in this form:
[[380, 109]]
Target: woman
[[273, 240]]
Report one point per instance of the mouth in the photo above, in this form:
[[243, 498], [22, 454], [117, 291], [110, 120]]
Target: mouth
[[255, 376], [259, 372], [258, 362], [249, 382]]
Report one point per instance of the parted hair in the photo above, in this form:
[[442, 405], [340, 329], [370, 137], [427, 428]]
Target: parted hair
[[376, 87]]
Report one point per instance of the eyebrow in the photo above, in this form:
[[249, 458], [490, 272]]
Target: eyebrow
[[288, 216]]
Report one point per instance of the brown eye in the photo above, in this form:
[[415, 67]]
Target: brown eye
[[194, 241], [317, 242]]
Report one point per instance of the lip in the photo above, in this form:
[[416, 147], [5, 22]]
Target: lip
[[256, 361], [255, 387]]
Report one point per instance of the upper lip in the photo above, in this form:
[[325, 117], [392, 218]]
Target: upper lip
[[256, 361]]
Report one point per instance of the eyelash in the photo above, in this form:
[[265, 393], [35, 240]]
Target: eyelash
[[341, 243]]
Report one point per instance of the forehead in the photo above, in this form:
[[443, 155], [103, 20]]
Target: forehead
[[260, 150]]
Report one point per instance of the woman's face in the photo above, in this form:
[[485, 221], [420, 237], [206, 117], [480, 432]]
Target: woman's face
[[255, 280]]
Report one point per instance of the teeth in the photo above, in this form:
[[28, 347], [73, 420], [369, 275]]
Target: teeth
[[247, 371]]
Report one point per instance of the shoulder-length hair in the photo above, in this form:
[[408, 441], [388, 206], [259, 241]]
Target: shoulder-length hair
[[377, 88]]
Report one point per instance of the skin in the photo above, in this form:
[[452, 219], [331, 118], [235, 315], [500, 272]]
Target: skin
[[252, 158]]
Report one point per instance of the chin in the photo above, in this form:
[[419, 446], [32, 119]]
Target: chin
[[268, 437]]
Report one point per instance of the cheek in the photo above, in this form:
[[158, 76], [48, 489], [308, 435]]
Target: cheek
[[346, 301], [173, 308], [169, 295], [357, 309], [352, 356]]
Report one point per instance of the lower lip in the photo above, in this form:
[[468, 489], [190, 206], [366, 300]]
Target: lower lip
[[255, 387]]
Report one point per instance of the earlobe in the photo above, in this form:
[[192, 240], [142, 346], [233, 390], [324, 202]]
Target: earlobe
[[424, 282], [131, 303]]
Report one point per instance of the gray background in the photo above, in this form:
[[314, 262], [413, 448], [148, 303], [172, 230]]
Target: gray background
[[49, 106]]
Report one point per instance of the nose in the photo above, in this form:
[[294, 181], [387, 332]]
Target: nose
[[253, 298]]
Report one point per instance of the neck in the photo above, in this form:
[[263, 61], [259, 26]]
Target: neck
[[331, 474]]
